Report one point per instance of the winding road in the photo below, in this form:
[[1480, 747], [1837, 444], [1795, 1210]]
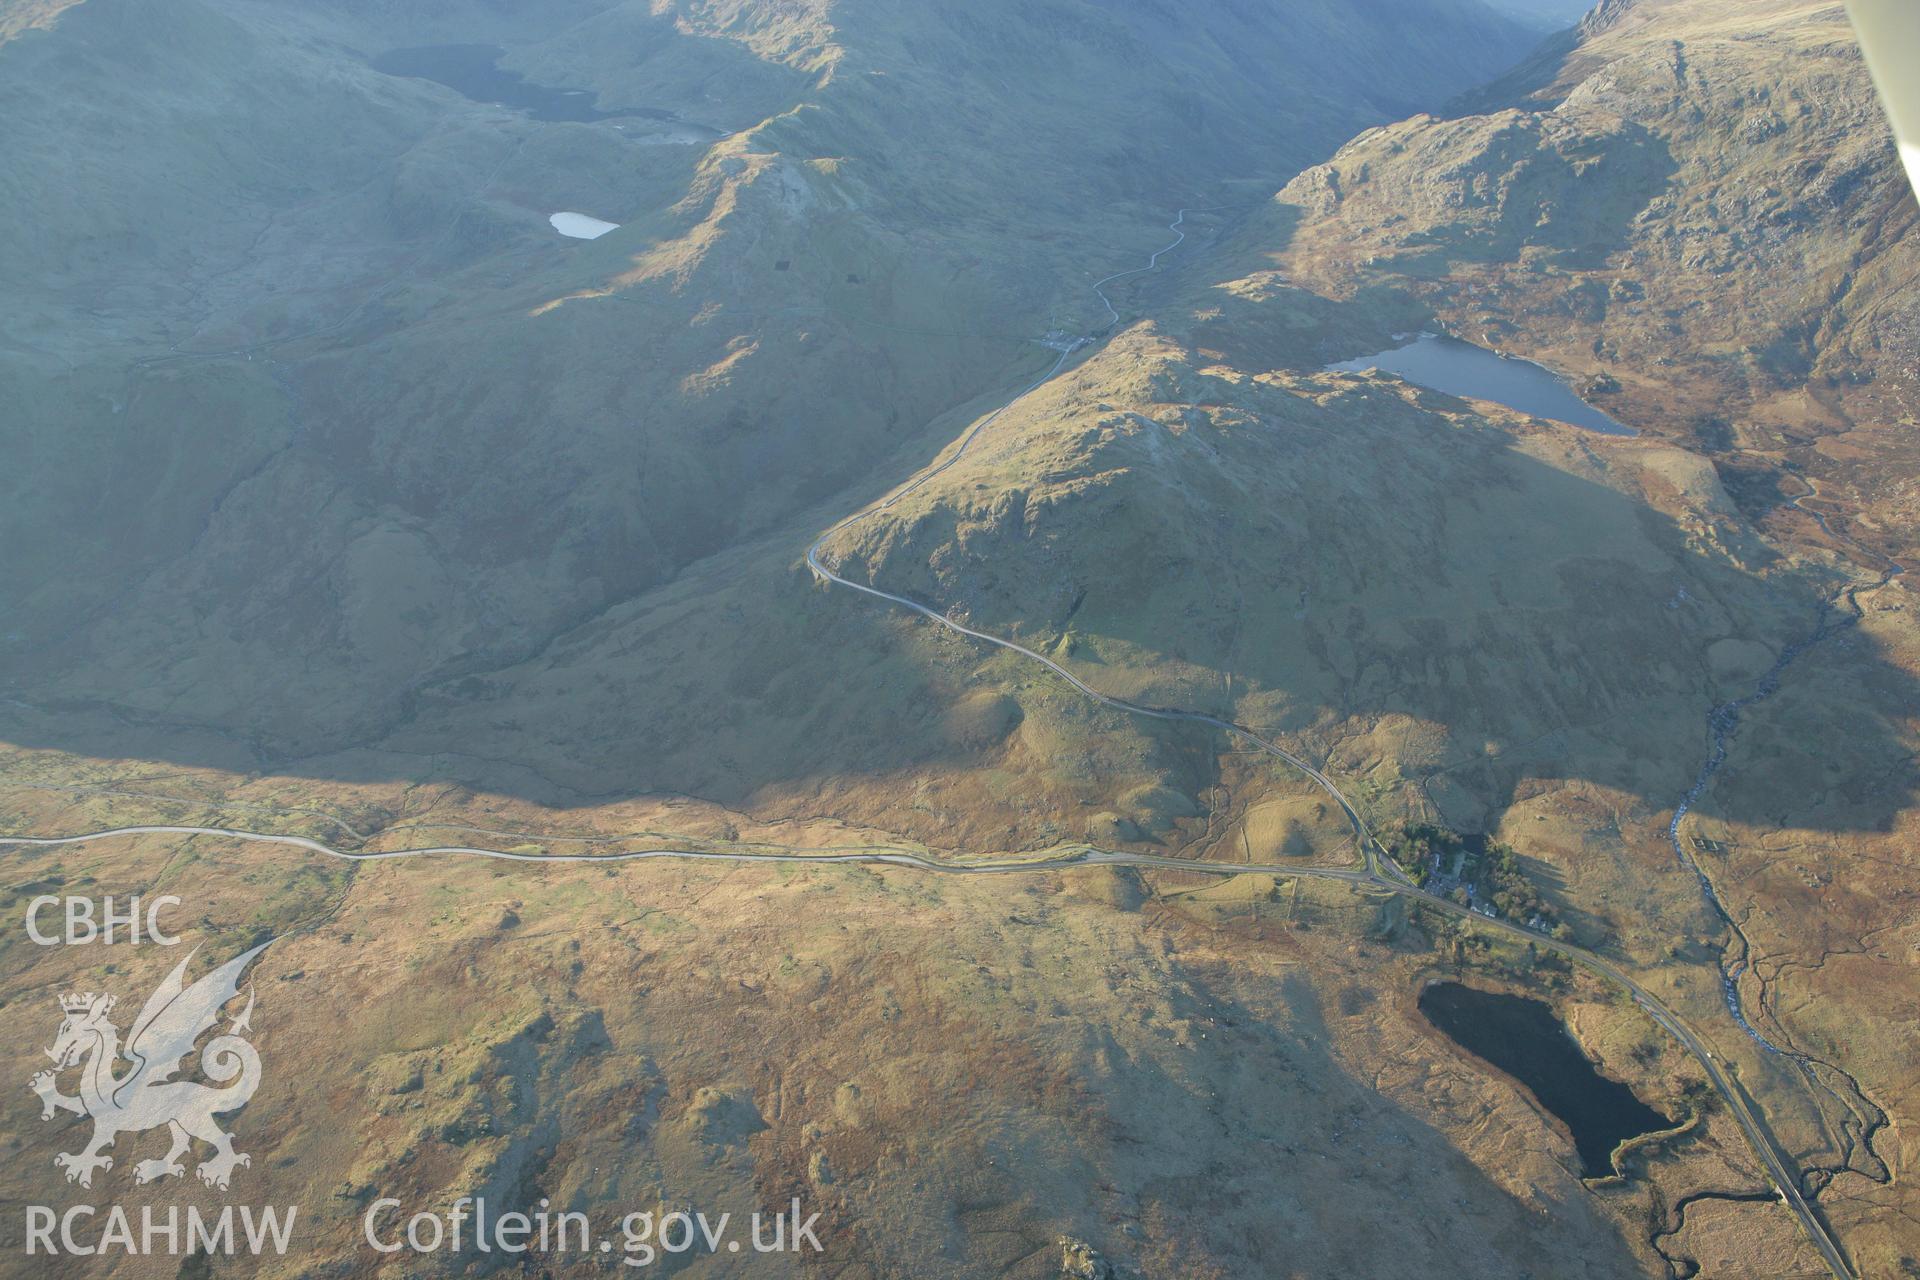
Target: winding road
[[1365, 879], [1369, 847], [1377, 873]]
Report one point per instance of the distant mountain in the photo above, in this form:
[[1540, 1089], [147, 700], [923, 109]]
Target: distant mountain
[[1698, 201], [314, 407], [346, 495], [1692, 209]]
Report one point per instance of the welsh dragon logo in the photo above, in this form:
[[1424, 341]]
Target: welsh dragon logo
[[145, 1096]]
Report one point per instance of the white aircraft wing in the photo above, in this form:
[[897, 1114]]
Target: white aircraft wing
[[1890, 36]]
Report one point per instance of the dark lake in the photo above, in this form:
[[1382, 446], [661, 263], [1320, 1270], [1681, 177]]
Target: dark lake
[[1461, 369], [1526, 1040], [474, 71]]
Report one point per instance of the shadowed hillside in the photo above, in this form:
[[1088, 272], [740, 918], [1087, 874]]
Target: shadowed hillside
[[348, 500], [324, 413]]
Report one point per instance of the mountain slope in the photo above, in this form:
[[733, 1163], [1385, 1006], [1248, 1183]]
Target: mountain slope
[[477, 534], [441, 434], [1612, 654], [1696, 203]]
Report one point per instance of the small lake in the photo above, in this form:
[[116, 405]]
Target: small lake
[[580, 226], [1459, 368], [474, 72], [1524, 1038]]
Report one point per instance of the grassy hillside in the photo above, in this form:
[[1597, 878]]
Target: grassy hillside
[[354, 501], [441, 433], [1696, 208], [953, 1075]]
